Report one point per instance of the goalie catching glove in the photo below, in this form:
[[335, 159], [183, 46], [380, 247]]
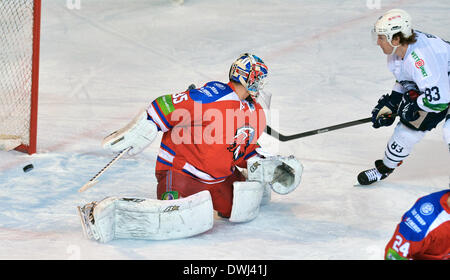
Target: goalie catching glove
[[283, 174], [138, 134]]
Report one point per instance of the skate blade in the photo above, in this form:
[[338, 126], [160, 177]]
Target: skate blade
[[83, 222], [357, 184]]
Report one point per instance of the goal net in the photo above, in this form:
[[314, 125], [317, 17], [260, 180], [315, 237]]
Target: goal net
[[19, 64]]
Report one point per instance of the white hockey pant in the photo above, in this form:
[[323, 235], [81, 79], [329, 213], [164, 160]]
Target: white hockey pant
[[400, 145]]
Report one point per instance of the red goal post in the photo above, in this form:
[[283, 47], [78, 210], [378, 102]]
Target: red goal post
[[19, 74]]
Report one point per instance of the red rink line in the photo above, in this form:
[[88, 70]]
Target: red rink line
[[374, 13]]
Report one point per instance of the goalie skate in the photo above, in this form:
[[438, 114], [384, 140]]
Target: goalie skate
[[87, 221]]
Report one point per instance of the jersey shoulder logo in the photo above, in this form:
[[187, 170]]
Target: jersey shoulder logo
[[211, 92], [426, 209]]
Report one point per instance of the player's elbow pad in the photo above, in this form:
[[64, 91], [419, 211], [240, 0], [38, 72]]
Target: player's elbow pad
[[138, 134]]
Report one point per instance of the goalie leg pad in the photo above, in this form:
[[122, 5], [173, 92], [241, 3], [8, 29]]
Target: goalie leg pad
[[267, 194], [283, 174], [139, 134], [247, 198], [151, 219]]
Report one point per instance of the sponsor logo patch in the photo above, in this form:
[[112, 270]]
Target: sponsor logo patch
[[427, 209], [420, 64]]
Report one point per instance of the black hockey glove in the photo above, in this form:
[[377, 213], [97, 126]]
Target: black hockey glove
[[408, 108], [409, 86], [383, 113]]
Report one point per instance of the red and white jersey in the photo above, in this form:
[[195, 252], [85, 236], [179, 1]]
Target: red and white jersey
[[207, 131], [424, 232]]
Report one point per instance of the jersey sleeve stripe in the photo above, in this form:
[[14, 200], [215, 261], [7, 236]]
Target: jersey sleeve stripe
[[443, 217], [198, 174], [155, 105], [166, 156], [250, 155], [163, 161], [156, 118], [202, 180], [168, 149], [151, 119], [431, 107]]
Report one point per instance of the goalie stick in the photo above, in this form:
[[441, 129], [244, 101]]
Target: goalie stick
[[284, 138], [94, 180]]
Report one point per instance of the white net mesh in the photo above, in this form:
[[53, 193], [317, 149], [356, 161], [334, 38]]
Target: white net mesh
[[16, 49]]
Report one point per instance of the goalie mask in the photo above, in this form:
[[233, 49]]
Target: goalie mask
[[250, 71]]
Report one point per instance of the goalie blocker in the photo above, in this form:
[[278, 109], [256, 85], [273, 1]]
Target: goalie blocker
[[137, 134]]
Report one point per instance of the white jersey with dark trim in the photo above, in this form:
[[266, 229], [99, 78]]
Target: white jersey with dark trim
[[427, 64]]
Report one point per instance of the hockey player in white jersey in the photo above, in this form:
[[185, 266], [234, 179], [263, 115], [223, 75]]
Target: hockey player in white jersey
[[420, 63]]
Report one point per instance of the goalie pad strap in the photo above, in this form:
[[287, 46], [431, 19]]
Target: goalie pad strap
[[153, 219]]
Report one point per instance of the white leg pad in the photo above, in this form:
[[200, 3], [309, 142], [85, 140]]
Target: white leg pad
[[267, 194], [104, 215], [247, 198], [152, 219]]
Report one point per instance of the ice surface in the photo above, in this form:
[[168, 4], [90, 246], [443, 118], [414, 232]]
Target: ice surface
[[102, 62]]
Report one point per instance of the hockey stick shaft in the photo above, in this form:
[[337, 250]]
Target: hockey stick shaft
[[284, 138], [94, 180]]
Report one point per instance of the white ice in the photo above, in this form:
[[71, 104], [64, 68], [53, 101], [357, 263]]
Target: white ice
[[104, 60]]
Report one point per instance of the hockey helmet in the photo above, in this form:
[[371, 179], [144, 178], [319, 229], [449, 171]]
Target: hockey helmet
[[250, 71], [391, 23]]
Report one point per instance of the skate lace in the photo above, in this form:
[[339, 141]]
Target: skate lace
[[373, 174]]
